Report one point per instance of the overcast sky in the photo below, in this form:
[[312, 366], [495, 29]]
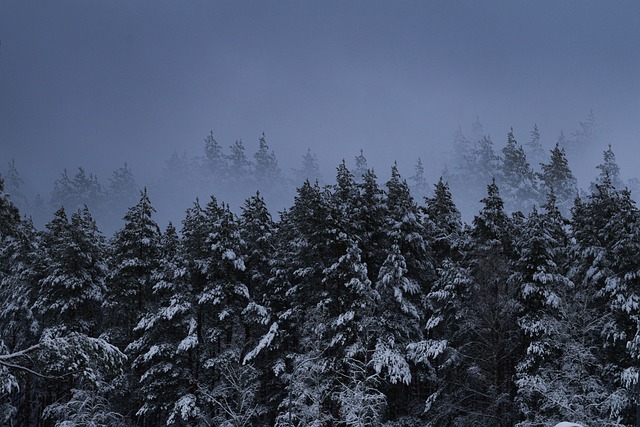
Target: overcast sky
[[97, 83]]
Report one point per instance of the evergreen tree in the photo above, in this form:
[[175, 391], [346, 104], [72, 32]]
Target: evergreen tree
[[266, 170], [13, 186], [419, 187], [607, 399], [517, 178], [542, 289], [558, 179], [123, 190], [534, 149], [167, 348], [215, 160], [493, 338], [609, 169], [361, 166], [443, 221], [486, 163], [71, 290], [9, 213], [73, 194], [239, 165], [133, 262], [310, 169]]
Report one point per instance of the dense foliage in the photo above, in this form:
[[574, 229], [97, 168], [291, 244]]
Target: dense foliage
[[359, 306]]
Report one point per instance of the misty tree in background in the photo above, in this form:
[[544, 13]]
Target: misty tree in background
[[463, 149], [533, 148], [13, 184], [517, 179], [239, 165], [266, 169], [557, 179], [584, 139], [360, 167], [215, 162], [74, 193], [123, 190], [310, 169], [486, 164], [419, 186], [609, 169]]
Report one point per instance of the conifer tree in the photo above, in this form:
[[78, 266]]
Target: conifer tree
[[361, 166], [609, 168], [9, 213], [72, 290], [123, 190], [493, 339], [239, 165], [607, 398], [535, 152], [266, 169], [134, 258], [13, 184], [215, 160], [310, 169], [419, 187], [542, 288], [517, 179], [166, 350], [557, 178]]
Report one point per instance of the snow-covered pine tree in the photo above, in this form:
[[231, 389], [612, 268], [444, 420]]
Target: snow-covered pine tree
[[20, 402], [408, 274], [71, 290], [168, 347], [543, 290], [9, 213], [605, 397], [447, 300], [226, 304], [134, 259], [491, 329]]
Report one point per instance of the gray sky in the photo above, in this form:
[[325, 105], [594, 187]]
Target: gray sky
[[97, 83]]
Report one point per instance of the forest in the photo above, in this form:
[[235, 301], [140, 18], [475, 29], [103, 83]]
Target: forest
[[361, 304]]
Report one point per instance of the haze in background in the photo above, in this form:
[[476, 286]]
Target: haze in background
[[98, 84]]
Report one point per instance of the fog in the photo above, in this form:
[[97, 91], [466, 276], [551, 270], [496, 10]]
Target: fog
[[98, 84]]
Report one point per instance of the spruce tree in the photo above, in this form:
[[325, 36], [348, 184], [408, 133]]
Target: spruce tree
[[519, 184], [557, 178], [134, 259]]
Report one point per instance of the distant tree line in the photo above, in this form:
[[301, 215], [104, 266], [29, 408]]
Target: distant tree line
[[361, 305]]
